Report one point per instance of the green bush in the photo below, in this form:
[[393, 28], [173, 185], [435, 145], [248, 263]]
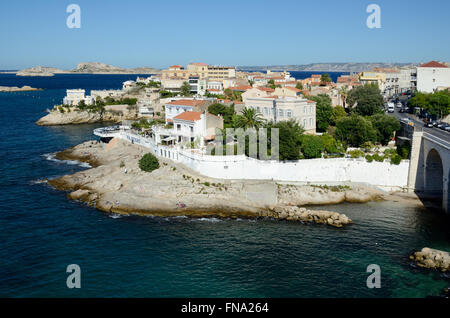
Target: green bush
[[378, 158], [404, 150], [148, 163], [312, 146], [369, 158], [356, 153], [396, 159]]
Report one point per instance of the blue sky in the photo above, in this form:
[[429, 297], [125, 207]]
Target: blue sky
[[246, 32]]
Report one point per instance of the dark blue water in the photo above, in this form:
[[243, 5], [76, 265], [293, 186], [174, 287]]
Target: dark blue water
[[42, 231]]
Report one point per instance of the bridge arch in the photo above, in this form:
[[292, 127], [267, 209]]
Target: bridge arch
[[434, 173]]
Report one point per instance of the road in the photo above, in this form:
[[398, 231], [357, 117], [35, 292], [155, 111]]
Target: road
[[419, 125]]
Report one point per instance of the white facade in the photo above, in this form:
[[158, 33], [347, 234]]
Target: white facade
[[128, 85], [175, 110], [430, 78], [215, 85], [189, 127], [398, 82], [286, 108], [75, 96]]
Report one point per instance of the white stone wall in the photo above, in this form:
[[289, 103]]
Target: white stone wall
[[382, 174]]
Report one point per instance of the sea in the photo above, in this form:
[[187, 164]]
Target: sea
[[42, 232]]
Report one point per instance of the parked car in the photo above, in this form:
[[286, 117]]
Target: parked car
[[443, 126], [399, 105], [447, 128], [428, 124]]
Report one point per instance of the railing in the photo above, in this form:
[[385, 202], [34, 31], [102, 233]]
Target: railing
[[437, 140]]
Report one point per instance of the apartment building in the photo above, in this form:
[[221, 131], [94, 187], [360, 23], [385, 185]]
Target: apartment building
[[432, 76]]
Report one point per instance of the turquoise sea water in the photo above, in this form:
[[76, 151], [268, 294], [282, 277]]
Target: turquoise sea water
[[41, 231]]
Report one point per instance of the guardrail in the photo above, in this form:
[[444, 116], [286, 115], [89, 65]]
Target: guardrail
[[442, 142]]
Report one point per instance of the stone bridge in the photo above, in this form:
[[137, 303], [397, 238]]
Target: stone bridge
[[429, 171]]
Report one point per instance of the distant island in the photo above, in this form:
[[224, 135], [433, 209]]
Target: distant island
[[86, 68], [327, 67], [25, 88]]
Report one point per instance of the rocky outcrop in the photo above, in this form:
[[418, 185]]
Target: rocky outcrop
[[116, 184], [57, 117], [319, 195], [39, 71], [25, 88], [432, 258], [102, 68], [291, 213]]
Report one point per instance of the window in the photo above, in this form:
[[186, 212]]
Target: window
[[304, 109], [191, 129], [304, 123], [289, 113], [178, 127], [310, 109], [281, 113]]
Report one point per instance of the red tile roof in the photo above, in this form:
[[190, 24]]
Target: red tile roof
[[240, 88], [293, 89], [433, 64], [189, 116], [266, 89], [315, 76], [187, 102], [311, 101], [176, 66]]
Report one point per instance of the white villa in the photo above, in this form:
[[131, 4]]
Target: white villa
[[177, 107], [75, 96], [277, 108], [189, 126]]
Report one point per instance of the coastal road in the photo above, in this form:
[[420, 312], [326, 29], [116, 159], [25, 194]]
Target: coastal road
[[419, 125]]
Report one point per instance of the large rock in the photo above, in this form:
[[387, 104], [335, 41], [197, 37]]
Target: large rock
[[293, 213], [432, 258]]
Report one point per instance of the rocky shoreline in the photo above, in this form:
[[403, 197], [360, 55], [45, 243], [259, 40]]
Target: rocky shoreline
[[116, 184]]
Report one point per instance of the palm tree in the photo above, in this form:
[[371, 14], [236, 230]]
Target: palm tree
[[250, 118], [344, 93]]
